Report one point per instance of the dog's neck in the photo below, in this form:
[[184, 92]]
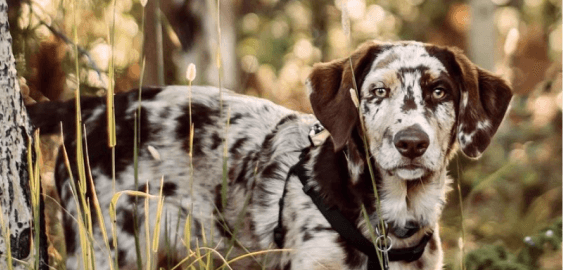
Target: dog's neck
[[419, 201], [344, 179], [343, 186]]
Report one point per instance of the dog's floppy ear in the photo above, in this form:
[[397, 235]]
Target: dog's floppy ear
[[484, 100], [329, 85]]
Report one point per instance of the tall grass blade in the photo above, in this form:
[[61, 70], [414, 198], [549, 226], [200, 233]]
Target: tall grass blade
[[136, 140], [91, 258], [147, 227], [112, 140], [156, 232], [110, 104], [159, 44], [256, 253], [373, 236], [213, 251], [95, 202], [190, 75], [218, 57], [187, 240], [224, 186], [198, 258], [85, 227], [462, 220], [208, 264], [177, 231], [198, 252], [113, 214], [167, 247], [35, 186], [84, 241], [354, 95]]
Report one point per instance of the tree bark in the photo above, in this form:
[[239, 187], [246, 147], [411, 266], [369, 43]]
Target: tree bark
[[15, 133]]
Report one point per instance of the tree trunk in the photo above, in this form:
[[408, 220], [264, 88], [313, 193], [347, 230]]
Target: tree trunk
[[15, 133], [482, 36], [209, 44], [195, 23]]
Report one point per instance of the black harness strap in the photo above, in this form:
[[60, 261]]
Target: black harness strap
[[279, 231], [345, 228]]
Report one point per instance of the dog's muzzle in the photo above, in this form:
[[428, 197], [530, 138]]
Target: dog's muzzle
[[411, 142]]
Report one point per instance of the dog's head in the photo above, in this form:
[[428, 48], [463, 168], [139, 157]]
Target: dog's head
[[418, 101]]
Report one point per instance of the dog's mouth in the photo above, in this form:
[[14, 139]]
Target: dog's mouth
[[410, 167], [410, 171]]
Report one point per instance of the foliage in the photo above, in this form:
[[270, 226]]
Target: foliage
[[496, 257]]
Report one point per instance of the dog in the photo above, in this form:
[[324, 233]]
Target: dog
[[396, 114]]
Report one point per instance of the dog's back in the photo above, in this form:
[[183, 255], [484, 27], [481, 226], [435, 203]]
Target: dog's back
[[251, 124]]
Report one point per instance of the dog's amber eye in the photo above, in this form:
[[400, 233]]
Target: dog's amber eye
[[438, 93], [380, 92]]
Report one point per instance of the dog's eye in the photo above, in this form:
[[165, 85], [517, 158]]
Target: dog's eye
[[438, 93], [380, 92]]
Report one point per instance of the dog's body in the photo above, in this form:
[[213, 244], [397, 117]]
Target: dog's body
[[415, 102]]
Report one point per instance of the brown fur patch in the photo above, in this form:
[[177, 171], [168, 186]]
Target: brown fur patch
[[488, 97], [330, 91], [433, 245], [420, 264]]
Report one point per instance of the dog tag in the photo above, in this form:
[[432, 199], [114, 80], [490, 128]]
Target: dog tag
[[384, 249]]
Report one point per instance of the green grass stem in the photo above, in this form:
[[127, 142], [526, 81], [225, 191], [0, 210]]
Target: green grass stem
[[462, 223], [159, 44], [96, 205], [35, 187]]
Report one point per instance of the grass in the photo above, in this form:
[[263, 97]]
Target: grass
[[34, 185]]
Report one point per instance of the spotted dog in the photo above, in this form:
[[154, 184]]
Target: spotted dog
[[416, 105]]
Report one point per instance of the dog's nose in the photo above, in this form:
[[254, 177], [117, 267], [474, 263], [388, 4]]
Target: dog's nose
[[411, 142]]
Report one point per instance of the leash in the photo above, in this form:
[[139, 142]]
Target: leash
[[346, 229]]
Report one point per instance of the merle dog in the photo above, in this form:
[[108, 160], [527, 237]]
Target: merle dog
[[417, 104]]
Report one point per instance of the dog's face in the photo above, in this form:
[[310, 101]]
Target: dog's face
[[415, 100], [409, 111]]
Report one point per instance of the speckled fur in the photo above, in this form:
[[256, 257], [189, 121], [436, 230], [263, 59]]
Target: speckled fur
[[262, 142]]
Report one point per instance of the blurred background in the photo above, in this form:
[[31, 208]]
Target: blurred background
[[267, 48]]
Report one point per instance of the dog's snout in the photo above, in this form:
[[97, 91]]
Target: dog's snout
[[411, 142]]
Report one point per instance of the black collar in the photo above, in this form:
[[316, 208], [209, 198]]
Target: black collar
[[344, 227]]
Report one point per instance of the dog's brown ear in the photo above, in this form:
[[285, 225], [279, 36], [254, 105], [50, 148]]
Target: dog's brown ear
[[329, 85], [484, 100]]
